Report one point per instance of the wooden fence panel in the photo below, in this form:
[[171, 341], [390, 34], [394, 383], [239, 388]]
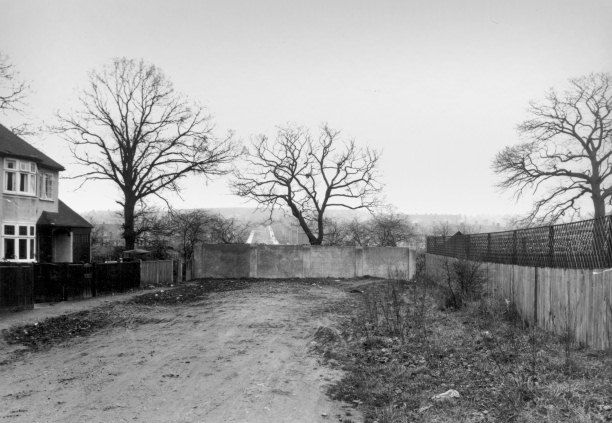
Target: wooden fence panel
[[116, 277], [61, 281], [579, 300], [598, 309], [16, 288], [158, 272]]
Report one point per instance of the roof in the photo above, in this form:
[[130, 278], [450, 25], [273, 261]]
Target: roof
[[136, 251], [65, 217], [12, 145]]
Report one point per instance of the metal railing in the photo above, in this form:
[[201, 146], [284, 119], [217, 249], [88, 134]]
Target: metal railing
[[579, 245]]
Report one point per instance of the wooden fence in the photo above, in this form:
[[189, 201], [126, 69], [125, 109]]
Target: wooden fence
[[557, 300], [16, 288], [115, 277], [23, 285], [157, 272], [62, 281]]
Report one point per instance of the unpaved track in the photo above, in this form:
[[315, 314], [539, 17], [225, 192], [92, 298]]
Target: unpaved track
[[239, 356]]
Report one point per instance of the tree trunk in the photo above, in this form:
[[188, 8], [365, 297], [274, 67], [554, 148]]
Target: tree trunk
[[599, 205], [129, 235], [599, 229], [303, 224]]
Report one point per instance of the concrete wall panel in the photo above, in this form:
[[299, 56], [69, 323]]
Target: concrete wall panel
[[299, 261]]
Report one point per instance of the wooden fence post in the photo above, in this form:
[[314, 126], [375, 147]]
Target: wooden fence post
[[608, 263], [535, 298], [551, 246]]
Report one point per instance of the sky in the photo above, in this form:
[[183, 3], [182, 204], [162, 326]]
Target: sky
[[438, 86]]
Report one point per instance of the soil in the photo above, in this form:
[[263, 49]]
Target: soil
[[214, 351]]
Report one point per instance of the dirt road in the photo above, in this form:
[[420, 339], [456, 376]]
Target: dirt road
[[238, 356]]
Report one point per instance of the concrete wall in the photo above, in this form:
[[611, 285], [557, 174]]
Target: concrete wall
[[221, 261], [553, 299], [300, 261]]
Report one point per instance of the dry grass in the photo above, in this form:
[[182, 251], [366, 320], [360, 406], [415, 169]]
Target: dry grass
[[396, 360]]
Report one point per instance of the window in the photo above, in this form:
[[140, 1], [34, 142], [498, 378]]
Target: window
[[46, 190], [20, 177], [19, 242]]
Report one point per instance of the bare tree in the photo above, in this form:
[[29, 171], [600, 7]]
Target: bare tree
[[155, 233], [568, 154], [12, 89], [358, 233], [222, 230], [133, 129], [390, 229], [443, 228], [335, 232], [308, 176], [190, 228]]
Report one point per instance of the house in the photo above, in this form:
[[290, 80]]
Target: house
[[35, 225]]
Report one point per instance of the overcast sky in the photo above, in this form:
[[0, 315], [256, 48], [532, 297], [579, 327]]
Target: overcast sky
[[439, 86]]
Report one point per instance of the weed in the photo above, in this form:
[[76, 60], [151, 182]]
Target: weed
[[503, 370], [464, 282]]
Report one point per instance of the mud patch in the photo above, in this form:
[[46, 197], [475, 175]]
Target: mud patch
[[190, 293], [54, 330]]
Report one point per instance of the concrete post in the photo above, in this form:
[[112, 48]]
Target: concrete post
[[253, 256], [411, 263], [359, 253]]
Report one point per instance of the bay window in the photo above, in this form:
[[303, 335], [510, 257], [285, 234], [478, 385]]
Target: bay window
[[19, 177]]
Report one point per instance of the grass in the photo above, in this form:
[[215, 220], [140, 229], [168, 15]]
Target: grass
[[503, 371]]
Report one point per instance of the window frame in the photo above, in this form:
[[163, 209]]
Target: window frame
[[21, 170], [16, 238], [44, 178]]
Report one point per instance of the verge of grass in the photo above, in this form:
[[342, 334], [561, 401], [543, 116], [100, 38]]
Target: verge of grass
[[503, 370]]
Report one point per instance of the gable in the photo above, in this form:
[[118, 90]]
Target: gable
[[13, 146]]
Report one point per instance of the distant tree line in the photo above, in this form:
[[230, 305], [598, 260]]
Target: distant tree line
[[175, 231], [381, 230]]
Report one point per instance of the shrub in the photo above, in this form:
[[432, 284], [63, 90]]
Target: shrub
[[464, 282]]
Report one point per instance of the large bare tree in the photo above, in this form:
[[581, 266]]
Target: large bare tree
[[309, 175], [567, 157], [12, 89], [132, 128]]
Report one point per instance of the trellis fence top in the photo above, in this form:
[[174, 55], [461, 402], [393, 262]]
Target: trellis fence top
[[579, 245]]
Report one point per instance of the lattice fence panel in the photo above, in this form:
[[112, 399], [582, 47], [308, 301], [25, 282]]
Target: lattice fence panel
[[585, 244]]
